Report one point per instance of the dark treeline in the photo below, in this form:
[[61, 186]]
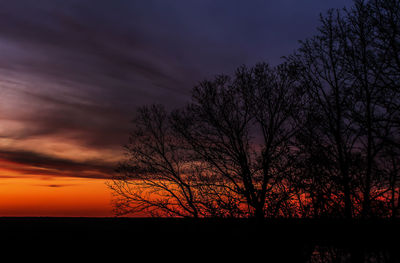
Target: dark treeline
[[317, 136]]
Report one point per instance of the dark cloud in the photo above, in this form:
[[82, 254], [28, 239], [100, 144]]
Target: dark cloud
[[133, 51], [93, 125], [31, 163], [81, 50], [55, 185]]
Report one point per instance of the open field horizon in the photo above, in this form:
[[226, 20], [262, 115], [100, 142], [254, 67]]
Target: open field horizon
[[281, 239]]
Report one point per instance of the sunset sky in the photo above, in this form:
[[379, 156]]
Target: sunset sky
[[72, 74]]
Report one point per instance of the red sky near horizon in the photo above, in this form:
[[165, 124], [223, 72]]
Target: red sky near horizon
[[30, 194]]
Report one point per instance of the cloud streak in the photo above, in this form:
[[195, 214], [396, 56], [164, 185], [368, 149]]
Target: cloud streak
[[56, 185], [30, 163]]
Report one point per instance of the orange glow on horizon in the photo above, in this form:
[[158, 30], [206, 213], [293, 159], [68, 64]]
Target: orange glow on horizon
[[41, 195]]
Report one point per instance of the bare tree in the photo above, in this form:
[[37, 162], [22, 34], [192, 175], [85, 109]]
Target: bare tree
[[352, 89], [385, 17], [163, 177], [153, 179], [242, 128], [328, 87]]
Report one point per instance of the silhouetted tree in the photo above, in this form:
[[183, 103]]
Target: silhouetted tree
[[162, 177], [351, 107], [325, 79], [385, 17], [151, 180], [227, 154], [242, 128]]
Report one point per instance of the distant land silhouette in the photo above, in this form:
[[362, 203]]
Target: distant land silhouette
[[280, 240]]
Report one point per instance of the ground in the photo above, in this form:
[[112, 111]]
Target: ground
[[295, 240]]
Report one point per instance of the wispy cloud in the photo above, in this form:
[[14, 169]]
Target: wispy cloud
[[55, 185], [30, 163]]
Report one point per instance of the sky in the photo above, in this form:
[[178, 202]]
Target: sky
[[73, 73]]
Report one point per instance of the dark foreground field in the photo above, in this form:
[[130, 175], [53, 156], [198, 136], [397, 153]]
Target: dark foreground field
[[289, 240]]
